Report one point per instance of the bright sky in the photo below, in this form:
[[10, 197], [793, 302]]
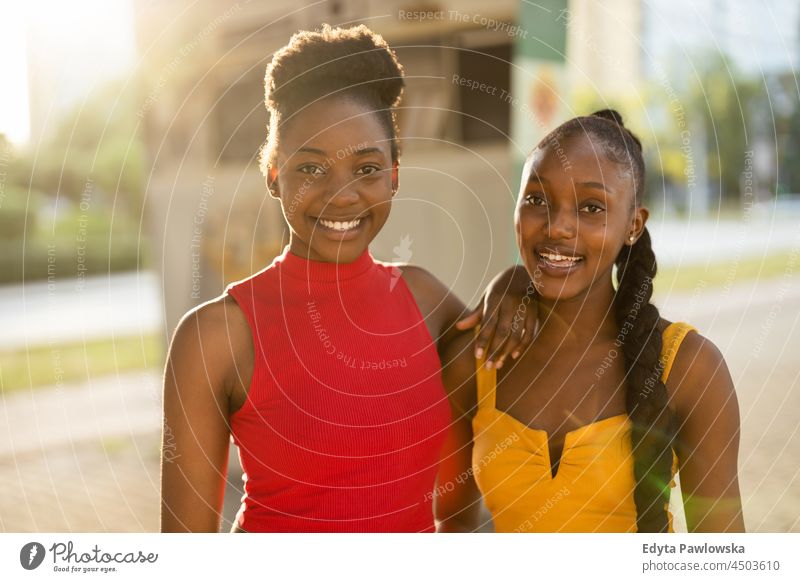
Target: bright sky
[[14, 96], [75, 45]]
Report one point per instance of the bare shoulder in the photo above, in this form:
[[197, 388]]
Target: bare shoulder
[[422, 282], [219, 322], [699, 379], [439, 306], [217, 334]]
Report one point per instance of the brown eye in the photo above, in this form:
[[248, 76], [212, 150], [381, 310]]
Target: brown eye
[[311, 169], [368, 170], [593, 209], [535, 200]]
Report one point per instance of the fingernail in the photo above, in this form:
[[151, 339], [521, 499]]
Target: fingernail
[[479, 353], [488, 365], [515, 355]]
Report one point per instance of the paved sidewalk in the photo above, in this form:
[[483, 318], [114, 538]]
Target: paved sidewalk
[[84, 458], [108, 485]]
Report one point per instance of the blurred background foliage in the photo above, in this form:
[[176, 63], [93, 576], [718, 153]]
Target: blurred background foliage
[[80, 192]]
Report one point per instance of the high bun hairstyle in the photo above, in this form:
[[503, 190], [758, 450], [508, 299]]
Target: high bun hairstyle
[[355, 63], [646, 396]]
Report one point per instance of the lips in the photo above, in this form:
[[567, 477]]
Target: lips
[[339, 224], [557, 259], [340, 229]]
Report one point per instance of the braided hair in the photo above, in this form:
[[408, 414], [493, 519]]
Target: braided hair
[[638, 321], [353, 63]]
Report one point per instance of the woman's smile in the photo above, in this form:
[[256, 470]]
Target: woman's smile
[[340, 229], [557, 262]]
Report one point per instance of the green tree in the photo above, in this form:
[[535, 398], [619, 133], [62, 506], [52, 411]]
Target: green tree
[[99, 140], [731, 108]]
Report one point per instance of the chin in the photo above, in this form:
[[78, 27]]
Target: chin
[[556, 293], [559, 289]]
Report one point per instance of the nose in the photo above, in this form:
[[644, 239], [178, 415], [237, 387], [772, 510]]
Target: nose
[[562, 223], [343, 190]]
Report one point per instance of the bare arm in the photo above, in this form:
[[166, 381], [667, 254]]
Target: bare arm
[[458, 501], [197, 389], [708, 437]]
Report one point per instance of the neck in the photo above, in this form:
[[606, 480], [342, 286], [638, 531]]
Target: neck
[[579, 321], [302, 249], [341, 255]]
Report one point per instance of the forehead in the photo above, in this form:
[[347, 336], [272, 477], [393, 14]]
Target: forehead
[[333, 124], [579, 157]]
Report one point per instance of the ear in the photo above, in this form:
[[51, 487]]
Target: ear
[[640, 216], [272, 182], [395, 177]]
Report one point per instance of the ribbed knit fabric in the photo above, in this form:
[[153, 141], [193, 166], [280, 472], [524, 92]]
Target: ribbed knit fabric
[[346, 414]]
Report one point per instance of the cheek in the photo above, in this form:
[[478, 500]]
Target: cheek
[[378, 195], [605, 242], [296, 196], [528, 232], [380, 206], [527, 224]]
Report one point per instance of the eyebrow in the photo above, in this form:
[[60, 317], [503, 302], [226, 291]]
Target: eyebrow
[[371, 150], [308, 150], [358, 152], [596, 185], [532, 177]]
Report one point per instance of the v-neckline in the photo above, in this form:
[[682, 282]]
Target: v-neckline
[[569, 436]]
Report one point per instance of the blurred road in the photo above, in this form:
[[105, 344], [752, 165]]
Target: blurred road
[[121, 304], [757, 328]]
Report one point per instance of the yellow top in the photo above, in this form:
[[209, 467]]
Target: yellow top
[[592, 490]]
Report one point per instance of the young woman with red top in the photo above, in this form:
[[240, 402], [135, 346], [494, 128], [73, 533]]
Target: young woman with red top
[[324, 367]]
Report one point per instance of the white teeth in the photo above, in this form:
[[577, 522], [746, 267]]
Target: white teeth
[[341, 226], [559, 258]]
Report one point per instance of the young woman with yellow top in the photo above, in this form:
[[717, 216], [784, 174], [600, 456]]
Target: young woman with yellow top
[[585, 431]]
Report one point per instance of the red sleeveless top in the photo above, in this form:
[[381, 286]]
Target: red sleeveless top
[[346, 413]]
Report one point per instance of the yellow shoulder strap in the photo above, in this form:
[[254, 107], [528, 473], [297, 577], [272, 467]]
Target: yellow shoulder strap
[[487, 384], [672, 339], [486, 381]]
